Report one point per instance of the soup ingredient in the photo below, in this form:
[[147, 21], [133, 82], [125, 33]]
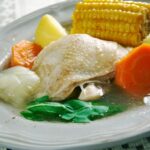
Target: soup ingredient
[[48, 30], [91, 92], [68, 62], [139, 3], [18, 85], [133, 71], [24, 53], [102, 1], [110, 20], [71, 111]]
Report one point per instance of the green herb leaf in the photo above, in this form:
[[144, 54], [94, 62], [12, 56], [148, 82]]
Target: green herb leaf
[[49, 107], [84, 112], [40, 100], [101, 110], [31, 116], [115, 108], [68, 116], [74, 110], [81, 119], [76, 104]]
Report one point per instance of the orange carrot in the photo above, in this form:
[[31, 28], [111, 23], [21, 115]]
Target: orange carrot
[[24, 53], [133, 71]]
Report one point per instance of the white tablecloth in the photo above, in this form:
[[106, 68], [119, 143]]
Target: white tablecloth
[[13, 9]]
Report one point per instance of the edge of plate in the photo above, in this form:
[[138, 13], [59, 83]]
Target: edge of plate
[[36, 14], [73, 146]]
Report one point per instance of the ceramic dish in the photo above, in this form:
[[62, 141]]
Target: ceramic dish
[[19, 133]]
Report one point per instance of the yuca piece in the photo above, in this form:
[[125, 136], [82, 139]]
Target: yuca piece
[[124, 22]]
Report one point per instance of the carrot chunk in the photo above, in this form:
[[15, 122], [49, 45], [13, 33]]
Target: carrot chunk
[[24, 53], [133, 71]]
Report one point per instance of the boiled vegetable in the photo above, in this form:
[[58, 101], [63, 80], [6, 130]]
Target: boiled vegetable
[[18, 85], [133, 71], [48, 30], [124, 22], [24, 53], [71, 110]]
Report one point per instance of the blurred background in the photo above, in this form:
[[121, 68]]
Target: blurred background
[[13, 9]]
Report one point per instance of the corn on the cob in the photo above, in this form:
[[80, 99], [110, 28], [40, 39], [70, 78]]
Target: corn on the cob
[[89, 1], [120, 37], [125, 22], [147, 5], [113, 15], [107, 24], [143, 4], [113, 6]]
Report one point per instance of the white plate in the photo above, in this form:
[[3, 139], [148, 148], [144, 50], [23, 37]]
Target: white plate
[[19, 133]]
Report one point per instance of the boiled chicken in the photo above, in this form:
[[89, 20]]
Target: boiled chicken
[[73, 60]]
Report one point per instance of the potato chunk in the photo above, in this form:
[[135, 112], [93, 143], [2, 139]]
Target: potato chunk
[[48, 30]]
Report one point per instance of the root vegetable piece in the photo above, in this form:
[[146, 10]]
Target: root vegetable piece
[[18, 85], [48, 30], [24, 53], [133, 71]]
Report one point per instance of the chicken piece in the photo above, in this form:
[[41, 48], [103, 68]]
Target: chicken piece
[[68, 62]]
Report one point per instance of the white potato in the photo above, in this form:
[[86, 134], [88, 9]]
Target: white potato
[[18, 85]]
